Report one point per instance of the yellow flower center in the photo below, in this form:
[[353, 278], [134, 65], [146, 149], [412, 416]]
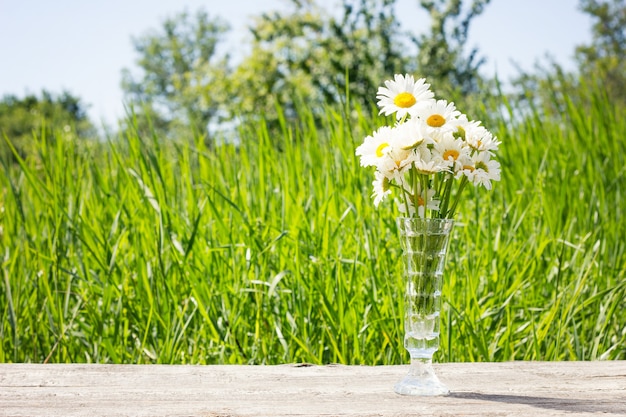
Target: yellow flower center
[[435, 120], [404, 100], [380, 149], [468, 167], [420, 201], [451, 153]]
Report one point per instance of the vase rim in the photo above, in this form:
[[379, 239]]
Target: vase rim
[[425, 220]]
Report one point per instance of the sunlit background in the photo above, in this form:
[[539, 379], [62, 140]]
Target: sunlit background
[[82, 46]]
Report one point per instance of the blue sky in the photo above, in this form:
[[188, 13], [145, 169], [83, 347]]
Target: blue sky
[[82, 46]]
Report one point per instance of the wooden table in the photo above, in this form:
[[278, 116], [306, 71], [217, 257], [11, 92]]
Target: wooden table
[[478, 389]]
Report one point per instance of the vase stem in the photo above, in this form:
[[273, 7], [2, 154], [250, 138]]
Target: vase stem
[[424, 244]]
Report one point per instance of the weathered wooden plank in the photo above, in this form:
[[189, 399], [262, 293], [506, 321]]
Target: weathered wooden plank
[[478, 389]]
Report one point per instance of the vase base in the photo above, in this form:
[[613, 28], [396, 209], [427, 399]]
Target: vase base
[[413, 386], [421, 381]]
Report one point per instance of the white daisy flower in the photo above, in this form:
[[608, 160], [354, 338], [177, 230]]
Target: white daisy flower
[[452, 151], [403, 95], [385, 150], [463, 125], [381, 188], [375, 147], [427, 164], [413, 133], [397, 160], [467, 168], [480, 139], [440, 116], [485, 170]]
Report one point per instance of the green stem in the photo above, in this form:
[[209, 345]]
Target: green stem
[[414, 181], [457, 198], [406, 199], [424, 185], [443, 209], [438, 183]]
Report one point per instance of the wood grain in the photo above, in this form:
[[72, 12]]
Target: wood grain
[[478, 389]]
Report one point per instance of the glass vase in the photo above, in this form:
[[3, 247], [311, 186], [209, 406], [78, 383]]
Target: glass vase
[[424, 244]]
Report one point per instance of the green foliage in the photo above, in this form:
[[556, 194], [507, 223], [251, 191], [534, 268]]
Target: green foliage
[[22, 118], [355, 49], [142, 251], [181, 80], [302, 54], [274, 74]]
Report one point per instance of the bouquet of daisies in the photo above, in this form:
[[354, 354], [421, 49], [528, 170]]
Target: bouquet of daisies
[[430, 154]]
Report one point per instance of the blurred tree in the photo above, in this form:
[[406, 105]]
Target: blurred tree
[[181, 75], [306, 54], [605, 57], [24, 119], [300, 56]]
